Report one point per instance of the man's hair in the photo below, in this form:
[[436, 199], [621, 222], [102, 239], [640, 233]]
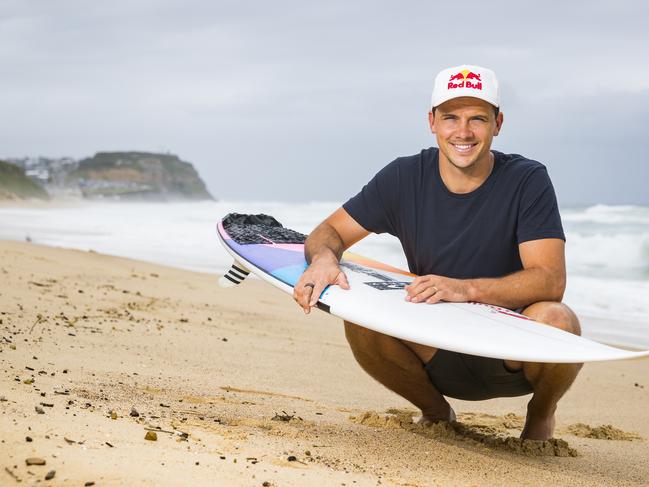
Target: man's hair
[[496, 110]]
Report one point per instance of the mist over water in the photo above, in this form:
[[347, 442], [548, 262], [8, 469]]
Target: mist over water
[[607, 248]]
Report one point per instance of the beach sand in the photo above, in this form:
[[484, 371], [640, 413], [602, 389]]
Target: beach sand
[[242, 389]]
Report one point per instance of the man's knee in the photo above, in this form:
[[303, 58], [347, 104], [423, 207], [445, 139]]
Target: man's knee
[[554, 314]]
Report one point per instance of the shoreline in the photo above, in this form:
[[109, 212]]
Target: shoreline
[[243, 374]]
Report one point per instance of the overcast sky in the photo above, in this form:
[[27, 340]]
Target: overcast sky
[[296, 100]]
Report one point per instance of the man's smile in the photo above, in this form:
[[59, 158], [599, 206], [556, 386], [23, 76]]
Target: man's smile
[[464, 148]]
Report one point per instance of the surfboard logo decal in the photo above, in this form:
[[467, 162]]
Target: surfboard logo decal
[[502, 311], [366, 271], [387, 285]]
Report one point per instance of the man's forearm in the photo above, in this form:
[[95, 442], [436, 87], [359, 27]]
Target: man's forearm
[[323, 242], [519, 289]]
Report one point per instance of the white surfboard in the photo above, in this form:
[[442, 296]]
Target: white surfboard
[[376, 301]]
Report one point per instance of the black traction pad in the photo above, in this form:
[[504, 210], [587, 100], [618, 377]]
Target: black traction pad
[[259, 229]]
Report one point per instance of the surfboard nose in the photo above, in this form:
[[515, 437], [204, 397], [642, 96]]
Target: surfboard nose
[[234, 276]]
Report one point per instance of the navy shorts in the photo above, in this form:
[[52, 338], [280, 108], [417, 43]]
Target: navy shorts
[[474, 378]]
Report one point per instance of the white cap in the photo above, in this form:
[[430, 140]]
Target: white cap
[[466, 80]]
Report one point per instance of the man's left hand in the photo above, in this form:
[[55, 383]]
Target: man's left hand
[[433, 289]]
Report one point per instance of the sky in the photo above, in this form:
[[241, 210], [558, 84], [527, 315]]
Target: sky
[[303, 101]]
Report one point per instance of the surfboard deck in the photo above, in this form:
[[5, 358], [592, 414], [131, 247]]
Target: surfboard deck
[[376, 300]]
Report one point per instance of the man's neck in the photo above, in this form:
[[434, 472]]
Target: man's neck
[[465, 180]]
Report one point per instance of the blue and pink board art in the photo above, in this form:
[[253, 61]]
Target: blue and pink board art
[[285, 260]]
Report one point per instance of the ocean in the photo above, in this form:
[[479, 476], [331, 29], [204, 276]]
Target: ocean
[[607, 248]]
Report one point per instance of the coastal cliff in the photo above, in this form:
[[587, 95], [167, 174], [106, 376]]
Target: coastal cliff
[[15, 185], [106, 175], [138, 175]]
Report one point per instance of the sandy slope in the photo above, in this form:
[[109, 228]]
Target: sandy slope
[[245, 390]]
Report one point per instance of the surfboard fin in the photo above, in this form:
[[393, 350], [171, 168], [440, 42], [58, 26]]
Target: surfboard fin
[[234, 276]]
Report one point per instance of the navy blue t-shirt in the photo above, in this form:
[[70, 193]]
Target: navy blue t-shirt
[[461, 236]]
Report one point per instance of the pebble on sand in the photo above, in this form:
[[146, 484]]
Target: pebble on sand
[[50, 475], [151, 436]]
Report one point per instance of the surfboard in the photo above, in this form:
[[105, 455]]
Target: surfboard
[[376, 300]]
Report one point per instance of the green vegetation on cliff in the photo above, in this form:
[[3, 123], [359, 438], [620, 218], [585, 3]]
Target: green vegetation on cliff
[[15, 185], [138, 175]]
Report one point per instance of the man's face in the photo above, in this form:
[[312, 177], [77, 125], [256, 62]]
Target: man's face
[[464, 128]]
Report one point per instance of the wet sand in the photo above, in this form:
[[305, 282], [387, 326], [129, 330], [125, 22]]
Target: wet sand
[[242, 389]]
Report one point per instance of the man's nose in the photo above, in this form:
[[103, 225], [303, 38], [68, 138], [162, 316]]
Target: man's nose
[[464, 130]]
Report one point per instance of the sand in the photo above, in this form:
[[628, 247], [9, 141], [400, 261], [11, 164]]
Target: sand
[[241, 388]]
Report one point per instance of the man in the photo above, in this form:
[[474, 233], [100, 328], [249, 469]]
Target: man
[[475, 225]]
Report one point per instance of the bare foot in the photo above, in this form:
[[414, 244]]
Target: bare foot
[[538, 427], [430, 417]]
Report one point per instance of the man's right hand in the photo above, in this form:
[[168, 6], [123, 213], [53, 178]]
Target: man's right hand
[[322, 272], [323, 248]]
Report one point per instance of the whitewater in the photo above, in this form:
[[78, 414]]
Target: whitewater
[[607, 250]]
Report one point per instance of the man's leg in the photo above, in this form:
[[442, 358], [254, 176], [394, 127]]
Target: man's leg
[[400, 368], [549, 381]]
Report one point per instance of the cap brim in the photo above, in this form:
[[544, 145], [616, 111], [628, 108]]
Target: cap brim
[[464, 92]]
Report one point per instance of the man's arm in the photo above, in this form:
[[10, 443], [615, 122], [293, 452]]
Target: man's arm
[[323, 249], [543, 278]]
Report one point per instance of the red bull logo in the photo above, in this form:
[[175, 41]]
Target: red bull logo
[[465, 79], [498, 309]]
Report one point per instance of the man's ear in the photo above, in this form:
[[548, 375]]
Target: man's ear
[[431, 121], [499, 123]]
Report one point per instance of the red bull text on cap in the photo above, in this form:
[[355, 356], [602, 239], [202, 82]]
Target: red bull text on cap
[[466, 80]]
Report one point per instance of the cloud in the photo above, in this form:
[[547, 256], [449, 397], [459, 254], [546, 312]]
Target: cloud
[[590, 144], [296, 92]]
